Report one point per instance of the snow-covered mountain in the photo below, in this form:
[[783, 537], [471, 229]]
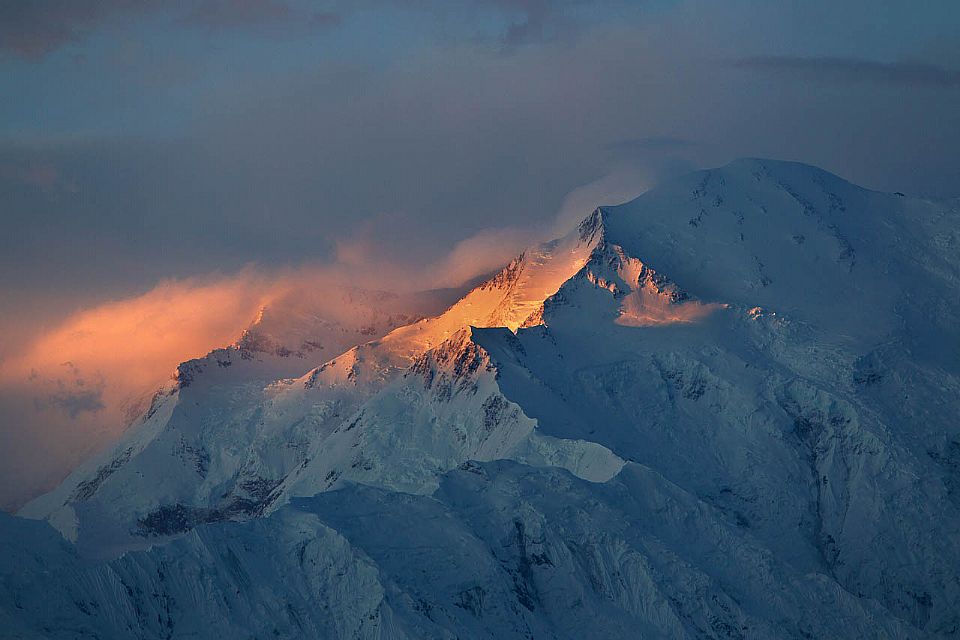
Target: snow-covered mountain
[[728, 408], [303, 328]]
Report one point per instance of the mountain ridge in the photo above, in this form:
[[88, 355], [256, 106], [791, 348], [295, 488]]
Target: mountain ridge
[[752, 365]]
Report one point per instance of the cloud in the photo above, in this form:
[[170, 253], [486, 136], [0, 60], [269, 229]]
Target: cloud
[[72, 392], [423, 152], [412, 162], [233, 14], [649, 143], [69, 390], [852, 70], [31, 29], [361, 259], [480, 254], [213, 14], [511, 23], [38, 174], [135, 343], [536, 21], [73, 387], [536, 18], [614, 188], [325, 19]]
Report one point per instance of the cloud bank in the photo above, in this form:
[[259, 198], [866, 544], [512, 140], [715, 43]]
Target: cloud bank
[[854, 70]]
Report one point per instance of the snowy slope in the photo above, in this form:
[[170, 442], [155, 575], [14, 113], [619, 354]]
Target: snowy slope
[[216, 446], [728, 408], [299, 330], [500, 551]]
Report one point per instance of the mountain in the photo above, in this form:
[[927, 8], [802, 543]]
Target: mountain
[[727, 408], [71, 392]]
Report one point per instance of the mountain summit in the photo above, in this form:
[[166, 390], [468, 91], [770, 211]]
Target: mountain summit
[[726, 409]]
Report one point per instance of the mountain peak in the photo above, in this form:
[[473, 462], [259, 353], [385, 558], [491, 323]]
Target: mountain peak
[[760, 445], [591, 227]]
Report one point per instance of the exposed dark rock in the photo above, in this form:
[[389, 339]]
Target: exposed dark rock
[[87, 488]]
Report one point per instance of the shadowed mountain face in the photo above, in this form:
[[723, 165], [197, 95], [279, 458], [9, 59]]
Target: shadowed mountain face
[[725, 409]]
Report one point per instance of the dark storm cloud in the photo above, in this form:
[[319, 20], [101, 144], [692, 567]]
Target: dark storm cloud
[[849, 70]]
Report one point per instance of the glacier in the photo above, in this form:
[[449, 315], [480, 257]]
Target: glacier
[[729, 408]]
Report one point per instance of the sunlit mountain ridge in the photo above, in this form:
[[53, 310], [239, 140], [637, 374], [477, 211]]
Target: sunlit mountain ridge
[[724, 409]]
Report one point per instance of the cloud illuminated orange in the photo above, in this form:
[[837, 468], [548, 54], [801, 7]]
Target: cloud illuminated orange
[[133, 342]]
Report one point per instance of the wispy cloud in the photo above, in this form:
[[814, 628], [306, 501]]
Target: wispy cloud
[[214, 14], [650, 143], [235, 14], [31, 29], [68, 390], [536, 17], [71, 391], [73, 387], [38, 174], [848, 70]]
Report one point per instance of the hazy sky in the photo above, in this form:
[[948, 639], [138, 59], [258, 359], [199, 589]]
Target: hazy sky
[[140, 141], [143, 141]]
